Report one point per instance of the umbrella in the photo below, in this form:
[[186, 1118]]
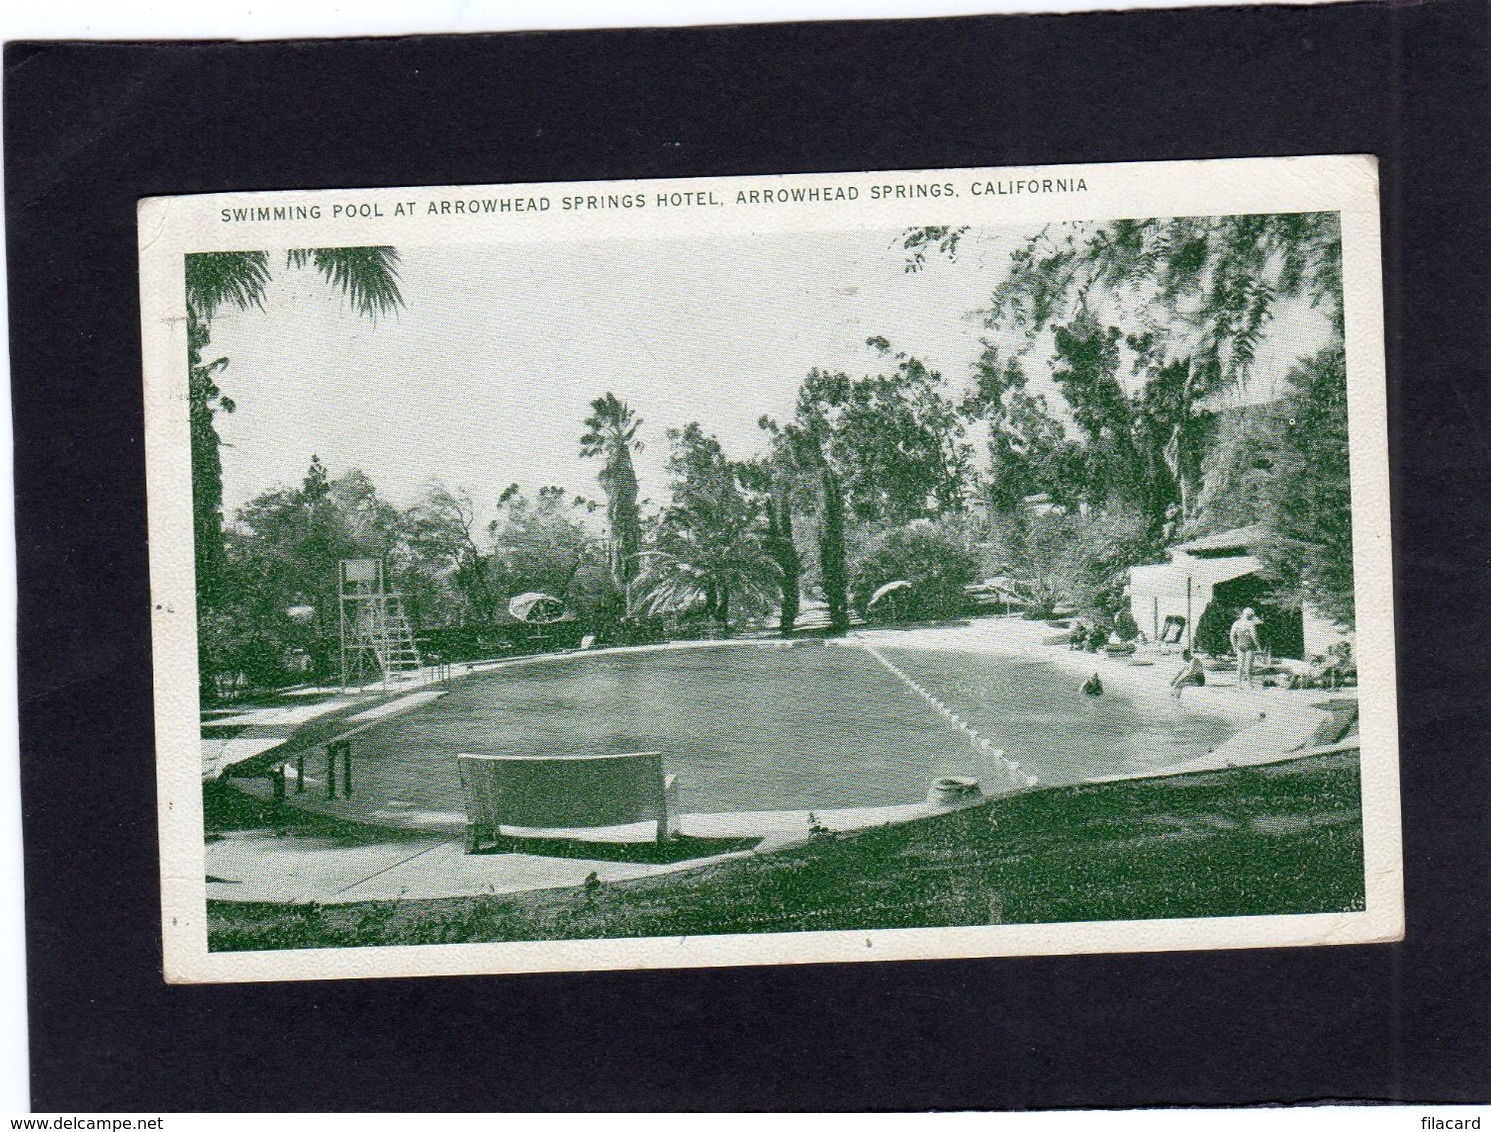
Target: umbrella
[[889, 587], [524, 606]]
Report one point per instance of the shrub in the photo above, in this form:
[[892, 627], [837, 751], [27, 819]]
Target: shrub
[[1077, 560], [935, 560]]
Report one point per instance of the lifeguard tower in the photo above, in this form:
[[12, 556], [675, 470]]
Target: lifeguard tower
[[377, 643]]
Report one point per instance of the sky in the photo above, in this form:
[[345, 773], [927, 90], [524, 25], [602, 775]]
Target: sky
[[485, 376]]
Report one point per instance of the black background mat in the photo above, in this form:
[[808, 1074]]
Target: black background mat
[[90, 128]]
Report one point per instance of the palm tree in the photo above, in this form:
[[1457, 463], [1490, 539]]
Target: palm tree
[[709, 575], [368, 277], [611, 431]]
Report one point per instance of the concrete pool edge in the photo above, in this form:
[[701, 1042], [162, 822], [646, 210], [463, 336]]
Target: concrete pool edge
[[1292, 724], [316, 869], [400, 800], [264, 866]]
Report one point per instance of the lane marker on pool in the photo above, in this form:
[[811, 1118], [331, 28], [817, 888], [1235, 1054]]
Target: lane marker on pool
[[979, 743]]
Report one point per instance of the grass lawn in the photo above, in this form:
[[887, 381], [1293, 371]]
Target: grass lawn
[[1250, 841]]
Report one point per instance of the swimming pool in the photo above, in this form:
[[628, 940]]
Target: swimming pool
[[771, 727]]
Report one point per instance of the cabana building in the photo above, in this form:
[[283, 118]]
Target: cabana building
[[1168, 600]]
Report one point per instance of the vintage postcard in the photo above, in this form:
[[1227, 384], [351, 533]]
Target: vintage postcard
[[865, 566]]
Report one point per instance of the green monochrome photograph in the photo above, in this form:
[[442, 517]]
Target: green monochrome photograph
[[771, 569]]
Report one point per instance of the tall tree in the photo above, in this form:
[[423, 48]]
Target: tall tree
[[817, 442], [1121, 457], [1307, 501], [279, 585], [1030, 452], [368, 277], [441, 531], [1143, 445], [610, 433], [883, 449], [1196, 296], [709, 548], [541, 543], [204, 401], [910, 459], [1173, 428], [1216, 281], [774, 481], [1236, 466]]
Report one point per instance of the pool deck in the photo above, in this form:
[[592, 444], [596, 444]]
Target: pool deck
[[427, 859], [262, 866]]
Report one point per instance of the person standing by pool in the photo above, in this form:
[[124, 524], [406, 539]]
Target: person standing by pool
[[1244, 637]]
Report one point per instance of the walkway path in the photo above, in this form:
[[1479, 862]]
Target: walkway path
[[262, 866]]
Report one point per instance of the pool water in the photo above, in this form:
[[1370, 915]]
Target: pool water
[[768, 727], [1038, 715]]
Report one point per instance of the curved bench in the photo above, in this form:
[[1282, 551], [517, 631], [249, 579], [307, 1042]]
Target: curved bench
[[565, 792]]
